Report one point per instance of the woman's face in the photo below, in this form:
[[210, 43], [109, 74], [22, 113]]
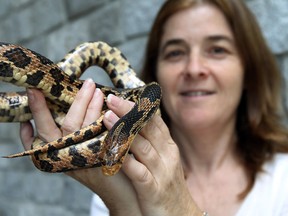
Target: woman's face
[[199, 69]]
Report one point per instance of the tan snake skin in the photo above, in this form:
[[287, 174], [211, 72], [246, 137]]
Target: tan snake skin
[[92, 146]]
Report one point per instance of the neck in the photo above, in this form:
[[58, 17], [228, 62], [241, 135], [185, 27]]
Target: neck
[[206, 150]]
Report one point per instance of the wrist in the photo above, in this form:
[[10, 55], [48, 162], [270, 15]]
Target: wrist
[[123, 209], [195, 211]]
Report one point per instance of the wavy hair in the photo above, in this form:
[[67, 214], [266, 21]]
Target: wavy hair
[[260, 128]]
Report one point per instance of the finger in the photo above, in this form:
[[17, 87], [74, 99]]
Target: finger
[[26, 134], [142, 149], [147, 156], [76, 114], [160, 139], [44, 122], [158, 151], [154, 129], [118, 105], [138, 173], [150, 147], [110, 118], [145, 152], [147, 163], [94, 108]]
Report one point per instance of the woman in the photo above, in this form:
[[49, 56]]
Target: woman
[[221, 103]]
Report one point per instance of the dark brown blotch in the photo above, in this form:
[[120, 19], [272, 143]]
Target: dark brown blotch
[[18, 57]]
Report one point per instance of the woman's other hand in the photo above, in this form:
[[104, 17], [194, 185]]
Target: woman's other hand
[[116, 191]]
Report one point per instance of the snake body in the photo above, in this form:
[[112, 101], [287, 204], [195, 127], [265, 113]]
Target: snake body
[[91, 146]]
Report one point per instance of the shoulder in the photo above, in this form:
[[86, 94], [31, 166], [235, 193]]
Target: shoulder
[[277, 167], [270, 190], [98, 208], [273, 180]]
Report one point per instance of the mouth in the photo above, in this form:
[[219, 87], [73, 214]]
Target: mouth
[[198, 93]]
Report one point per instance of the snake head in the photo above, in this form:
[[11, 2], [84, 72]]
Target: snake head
[[120, 137], [117, 144]]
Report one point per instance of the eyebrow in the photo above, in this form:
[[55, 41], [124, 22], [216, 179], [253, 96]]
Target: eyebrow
[[216, 38], [172, 42], [212, 38]]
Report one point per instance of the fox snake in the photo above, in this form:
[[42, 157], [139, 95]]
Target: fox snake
[[91, 146]]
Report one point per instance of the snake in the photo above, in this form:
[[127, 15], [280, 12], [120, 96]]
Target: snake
[[90, 146]]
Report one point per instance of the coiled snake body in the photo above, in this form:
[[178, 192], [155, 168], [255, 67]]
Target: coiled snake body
[[91, 146]]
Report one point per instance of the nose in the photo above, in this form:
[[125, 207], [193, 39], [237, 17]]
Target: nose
[[196, 66]]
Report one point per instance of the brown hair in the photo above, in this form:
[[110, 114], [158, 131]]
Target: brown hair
[[259, 125]]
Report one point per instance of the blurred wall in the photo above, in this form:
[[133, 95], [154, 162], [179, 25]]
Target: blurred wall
[[52, 28]]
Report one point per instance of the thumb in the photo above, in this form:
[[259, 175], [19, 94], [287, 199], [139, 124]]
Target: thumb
[[26, 134]]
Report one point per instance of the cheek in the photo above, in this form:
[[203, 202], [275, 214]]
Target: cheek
[[234, 86], [160, 73], [166, 75], [166, 85], [231, 74], [167, 81], [238, 80]]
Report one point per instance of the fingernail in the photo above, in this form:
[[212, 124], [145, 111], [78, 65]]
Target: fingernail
[[111, 117], [88, 82], [97, 92], [113, 100], [30, 94]]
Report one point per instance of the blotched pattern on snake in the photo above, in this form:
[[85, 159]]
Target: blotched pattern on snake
[[91, 146]]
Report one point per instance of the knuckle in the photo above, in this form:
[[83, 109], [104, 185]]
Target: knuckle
[[69, 127], [146, 148], [48, 136], [125, 105], [143, 175]]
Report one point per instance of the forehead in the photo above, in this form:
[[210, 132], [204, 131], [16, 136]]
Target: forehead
[[196, 22]]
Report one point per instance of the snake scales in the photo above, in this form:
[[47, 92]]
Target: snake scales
[[91, 146]]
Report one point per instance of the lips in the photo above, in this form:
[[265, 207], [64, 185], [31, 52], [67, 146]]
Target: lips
[[196, 93]]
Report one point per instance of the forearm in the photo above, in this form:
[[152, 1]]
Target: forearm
[[125, 211]]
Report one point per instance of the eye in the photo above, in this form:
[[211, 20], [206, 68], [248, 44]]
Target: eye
[[174, 54], [218, 51]]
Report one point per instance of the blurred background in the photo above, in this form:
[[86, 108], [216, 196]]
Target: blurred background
[[53, 28]]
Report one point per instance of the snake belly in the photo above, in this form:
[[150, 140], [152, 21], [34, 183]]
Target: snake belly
[[93, 145]]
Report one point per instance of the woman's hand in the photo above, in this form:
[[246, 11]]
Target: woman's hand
[[116, 191], [156, 171]]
